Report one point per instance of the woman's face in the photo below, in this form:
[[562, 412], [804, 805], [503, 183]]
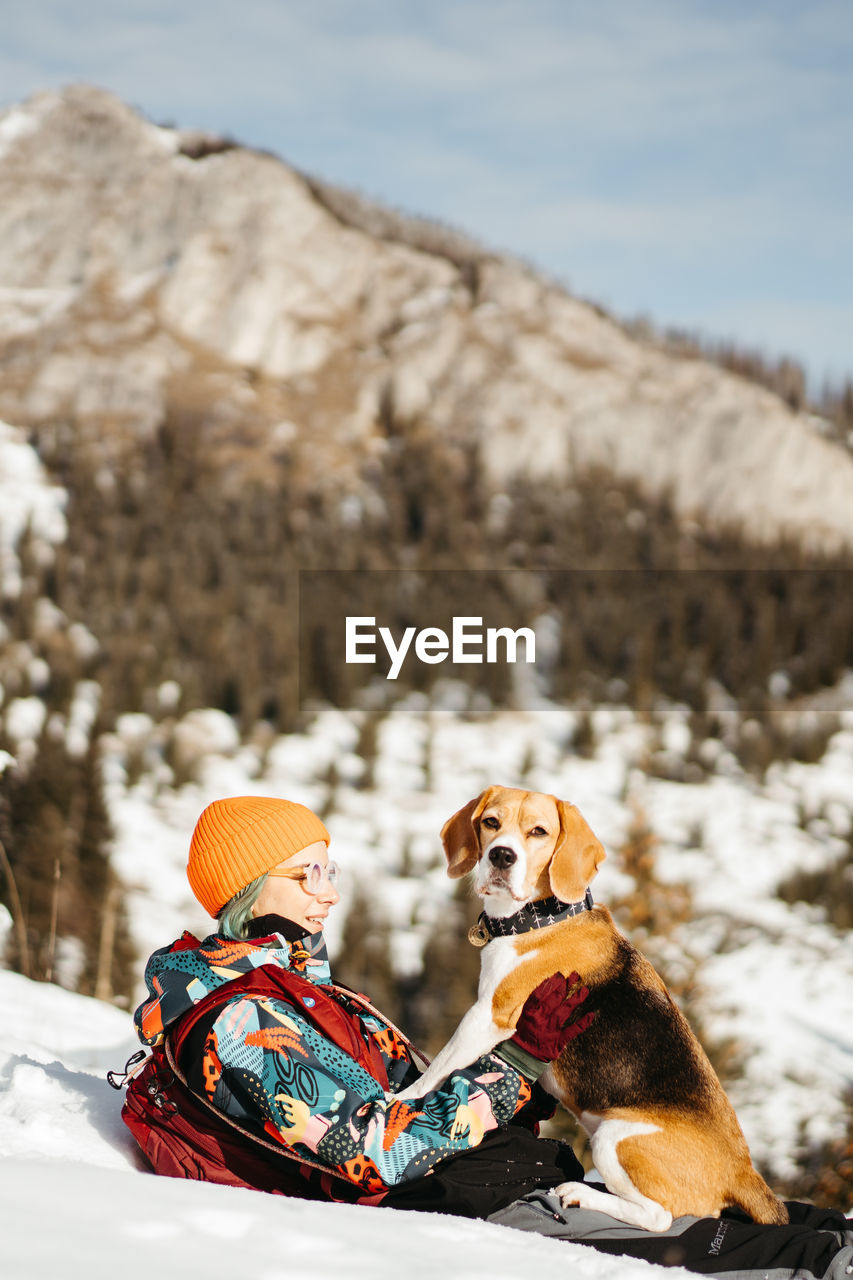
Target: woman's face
[[291, 898]]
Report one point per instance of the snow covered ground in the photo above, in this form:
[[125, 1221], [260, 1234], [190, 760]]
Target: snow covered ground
[[75, 1200]]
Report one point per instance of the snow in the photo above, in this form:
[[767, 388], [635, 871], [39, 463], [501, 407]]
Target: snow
[[77, 1199], [28, 499], [25, 717], [85, 645], [82, 715], [16, 122]]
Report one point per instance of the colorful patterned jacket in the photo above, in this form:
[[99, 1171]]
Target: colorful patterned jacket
[[266, 1065]]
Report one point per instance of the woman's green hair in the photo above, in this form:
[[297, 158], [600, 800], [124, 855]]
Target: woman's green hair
[[235, 915]]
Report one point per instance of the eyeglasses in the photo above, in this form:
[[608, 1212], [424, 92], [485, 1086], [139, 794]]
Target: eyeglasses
[[311, 876]]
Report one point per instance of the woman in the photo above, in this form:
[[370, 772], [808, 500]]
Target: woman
[[268, 1041]]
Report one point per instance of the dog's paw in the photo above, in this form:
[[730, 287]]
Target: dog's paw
[[638, 1211], [570, 1193]]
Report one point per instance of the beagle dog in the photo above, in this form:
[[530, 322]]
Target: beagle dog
[[663, 1134]]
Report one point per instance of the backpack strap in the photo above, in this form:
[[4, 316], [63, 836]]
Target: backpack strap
[[320, 1004], [357, 997]]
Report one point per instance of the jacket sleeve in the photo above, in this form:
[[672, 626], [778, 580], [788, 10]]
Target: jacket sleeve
[[266, 1065]]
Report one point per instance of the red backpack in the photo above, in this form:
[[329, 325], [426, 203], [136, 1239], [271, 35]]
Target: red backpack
[[182, 1135]]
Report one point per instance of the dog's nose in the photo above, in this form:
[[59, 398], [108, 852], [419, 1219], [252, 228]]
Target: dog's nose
[[502, 857]]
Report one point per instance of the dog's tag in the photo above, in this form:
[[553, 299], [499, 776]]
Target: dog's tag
[[478, 936]]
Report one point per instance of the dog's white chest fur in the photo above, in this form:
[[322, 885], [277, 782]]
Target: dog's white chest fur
[[477, 1033], [497, 962]]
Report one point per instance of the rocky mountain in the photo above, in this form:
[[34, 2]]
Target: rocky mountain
[[145, 270]]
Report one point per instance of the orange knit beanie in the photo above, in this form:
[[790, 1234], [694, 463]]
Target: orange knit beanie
[[238, 839]]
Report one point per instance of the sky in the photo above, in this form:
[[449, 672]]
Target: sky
[[689, 161]]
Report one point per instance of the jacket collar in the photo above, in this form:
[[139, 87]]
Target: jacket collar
[[306, 952], [266, 926]]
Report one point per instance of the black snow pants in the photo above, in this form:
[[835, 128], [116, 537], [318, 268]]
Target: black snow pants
[[817, 1244]]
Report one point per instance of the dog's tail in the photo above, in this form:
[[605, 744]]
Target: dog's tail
[[753, 1195]]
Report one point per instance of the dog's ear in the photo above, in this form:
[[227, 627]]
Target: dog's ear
[[459, 836], [576, 857]]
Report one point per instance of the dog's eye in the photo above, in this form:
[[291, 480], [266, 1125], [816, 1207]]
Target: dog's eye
[[491, 822], [539, 831]]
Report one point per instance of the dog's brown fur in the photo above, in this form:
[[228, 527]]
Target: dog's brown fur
[[639, 1061]]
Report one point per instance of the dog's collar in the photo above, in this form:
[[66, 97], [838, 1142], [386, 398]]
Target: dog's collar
[[536, 915]]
